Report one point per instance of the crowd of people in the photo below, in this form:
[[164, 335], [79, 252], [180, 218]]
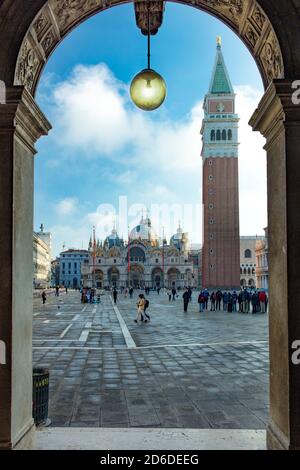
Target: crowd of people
[[244, 301]]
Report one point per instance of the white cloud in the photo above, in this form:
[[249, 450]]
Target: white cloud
[[66, 206]]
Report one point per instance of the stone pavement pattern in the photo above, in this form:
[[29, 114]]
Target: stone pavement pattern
[[187, 370]]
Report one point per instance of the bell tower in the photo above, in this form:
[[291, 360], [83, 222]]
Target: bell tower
[[221, 234]]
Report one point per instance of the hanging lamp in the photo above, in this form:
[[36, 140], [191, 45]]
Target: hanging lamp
[[148, 89]]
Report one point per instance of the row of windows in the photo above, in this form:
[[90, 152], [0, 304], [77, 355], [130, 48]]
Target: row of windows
[[220, 135], [248, 271], [139, 260], [69, 266], [75, 256]]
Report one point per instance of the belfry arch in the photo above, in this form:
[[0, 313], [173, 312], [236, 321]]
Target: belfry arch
[[29, 33]]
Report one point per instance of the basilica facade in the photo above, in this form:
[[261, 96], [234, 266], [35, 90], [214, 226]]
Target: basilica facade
[[142, 261]]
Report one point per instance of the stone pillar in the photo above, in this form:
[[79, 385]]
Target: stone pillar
[[21, 124], [278, 119]]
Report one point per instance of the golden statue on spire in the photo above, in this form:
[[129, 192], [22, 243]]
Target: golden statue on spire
[[219, 41]]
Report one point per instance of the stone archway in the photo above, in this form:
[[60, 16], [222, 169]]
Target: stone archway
[[157, 277], [113, 275], [30, 31]]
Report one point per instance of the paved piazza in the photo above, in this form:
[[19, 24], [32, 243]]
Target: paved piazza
[[179, 371]]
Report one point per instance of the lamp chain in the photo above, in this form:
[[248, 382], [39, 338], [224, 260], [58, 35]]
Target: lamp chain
[[149, 36]]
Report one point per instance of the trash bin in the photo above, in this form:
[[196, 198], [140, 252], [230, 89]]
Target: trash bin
[[40, 396]]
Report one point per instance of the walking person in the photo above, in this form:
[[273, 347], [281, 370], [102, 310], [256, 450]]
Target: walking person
[[140, 309], [225, 301], [234, 301], [186, 299], [213, 302], [229, 303], [206, 295], [241, 301], [262, 296], [57, 291], [174, 292], [147, 316], [218, 300], [131, 292], [169, 294], [44, 297], [255, 302], [245, 301], [115, 295], [201, 302]]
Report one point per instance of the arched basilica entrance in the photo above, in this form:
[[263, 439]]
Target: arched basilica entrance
[[271, 31]]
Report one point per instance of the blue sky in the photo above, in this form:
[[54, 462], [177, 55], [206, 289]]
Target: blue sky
[[102, 148]]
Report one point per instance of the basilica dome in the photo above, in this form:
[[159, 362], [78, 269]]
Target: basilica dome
[[144, 232], [179, 239], [113, 239]]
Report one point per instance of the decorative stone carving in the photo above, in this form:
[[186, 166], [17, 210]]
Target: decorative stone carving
[[156, 15], [48, 41], [258, 18], [59, 17], [251, 36], [271, 58], [231, 8], [68, 11], [27, 68]]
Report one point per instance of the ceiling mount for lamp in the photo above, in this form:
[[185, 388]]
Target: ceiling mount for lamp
[[157, 9], [148, 89]]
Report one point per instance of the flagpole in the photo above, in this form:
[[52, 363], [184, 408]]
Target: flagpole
[[128, 259], [94, 257], [163, 258]]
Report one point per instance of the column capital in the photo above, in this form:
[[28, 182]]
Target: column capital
[[276, 109], [21, 115]]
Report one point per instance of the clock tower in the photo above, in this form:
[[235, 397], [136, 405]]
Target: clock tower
[[221, 235]]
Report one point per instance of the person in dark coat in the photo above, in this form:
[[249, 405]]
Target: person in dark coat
[[186, 299], [115, 295]]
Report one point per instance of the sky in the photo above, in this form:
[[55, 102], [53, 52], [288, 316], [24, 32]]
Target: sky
[[105, 161]]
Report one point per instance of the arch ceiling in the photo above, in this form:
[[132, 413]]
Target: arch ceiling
[[58, 17]]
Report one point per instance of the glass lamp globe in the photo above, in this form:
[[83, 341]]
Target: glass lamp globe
[[148, 90]]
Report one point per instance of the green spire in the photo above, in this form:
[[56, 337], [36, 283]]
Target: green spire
[[220, 83]]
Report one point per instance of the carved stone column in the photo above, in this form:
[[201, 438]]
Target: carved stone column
[[21, 124], [278, 119]]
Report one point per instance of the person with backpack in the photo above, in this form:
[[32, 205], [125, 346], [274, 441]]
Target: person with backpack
[[206, 296], [201, 302], [140, 309], [147, 303]]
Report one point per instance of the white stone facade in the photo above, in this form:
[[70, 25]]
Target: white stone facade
[[248, 260], [41, 263], [140, 262], [262, 263]]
